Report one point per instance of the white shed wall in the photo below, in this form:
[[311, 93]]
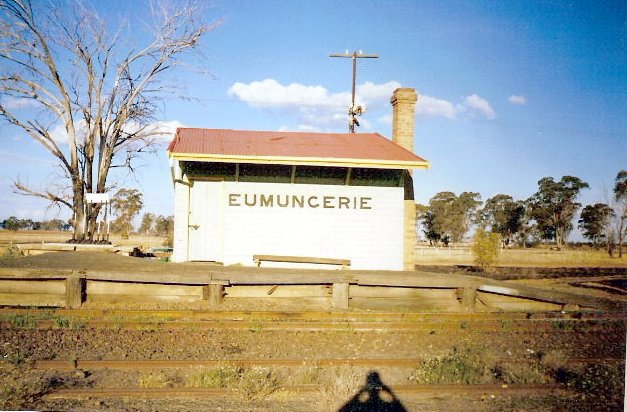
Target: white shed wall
[[363, 224]]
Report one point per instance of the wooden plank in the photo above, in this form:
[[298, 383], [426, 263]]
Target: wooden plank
[[54, 286], [286, 277], [300, 259], [32, 299], [165, 278], [120, 298], [142, 289], [360, 291], [414, 279], [494, 302], [549, 295], [30, 273], [285, 291]]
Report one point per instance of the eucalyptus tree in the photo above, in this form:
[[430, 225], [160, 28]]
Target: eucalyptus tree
[[620, 197], [595, 222], [448, 217], [126, 205], [98, 90], [503, 215], [554, 206]]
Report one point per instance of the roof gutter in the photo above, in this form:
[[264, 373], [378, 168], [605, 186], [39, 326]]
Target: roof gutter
[[304, 161]]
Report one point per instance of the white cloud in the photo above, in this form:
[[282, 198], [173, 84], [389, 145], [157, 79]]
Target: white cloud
[[316, 108], [163, 131], [14, 103], [158, 132], [434, 107], [515, 99], [269, 92], [479, 105], [385, 119]]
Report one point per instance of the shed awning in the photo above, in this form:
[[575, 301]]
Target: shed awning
[[292, 148]]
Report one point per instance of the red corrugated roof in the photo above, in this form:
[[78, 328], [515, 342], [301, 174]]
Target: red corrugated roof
[[286, 145]]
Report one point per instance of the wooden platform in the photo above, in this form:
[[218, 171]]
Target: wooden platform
[[55, 287]]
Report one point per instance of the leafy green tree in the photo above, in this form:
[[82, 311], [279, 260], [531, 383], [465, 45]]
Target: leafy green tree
[[126, 204], [595, 222], [427, 219], [620, 196], [12, 223], [504, 216], [448, 216], [54, 224], [485, 248], [147, 226], [164, 225], [554, 206]]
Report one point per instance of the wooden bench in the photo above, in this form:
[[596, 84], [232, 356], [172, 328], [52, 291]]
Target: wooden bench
[[345, 263]]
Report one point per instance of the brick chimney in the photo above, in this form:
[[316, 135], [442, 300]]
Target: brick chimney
[[403, 109]]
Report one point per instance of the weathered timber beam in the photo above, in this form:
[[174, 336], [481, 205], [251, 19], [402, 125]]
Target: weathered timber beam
[[182, 279], [287, 277], [549, 295], [34, 274], [418, 280]]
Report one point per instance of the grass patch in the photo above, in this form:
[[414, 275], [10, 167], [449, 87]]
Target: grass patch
[[19, 320], [473, 366], [254, 383], [14, 358], [222, 377], [461, 366], [153, 380]]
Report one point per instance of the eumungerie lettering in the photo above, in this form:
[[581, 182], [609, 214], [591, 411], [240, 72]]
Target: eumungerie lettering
[[299, 201]]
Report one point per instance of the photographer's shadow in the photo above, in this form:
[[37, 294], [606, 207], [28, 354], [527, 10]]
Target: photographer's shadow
[[374, 396]]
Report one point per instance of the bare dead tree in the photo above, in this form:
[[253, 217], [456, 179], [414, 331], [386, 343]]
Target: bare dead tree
[[99, 89]]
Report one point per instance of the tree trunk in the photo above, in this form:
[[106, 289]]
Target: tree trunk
[[79, 220], [621, 235]]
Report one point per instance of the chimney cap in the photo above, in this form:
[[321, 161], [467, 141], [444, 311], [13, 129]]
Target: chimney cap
[[404, 93]]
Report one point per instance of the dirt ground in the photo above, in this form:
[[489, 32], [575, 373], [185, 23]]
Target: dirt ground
[[459, 352], [464, 354]]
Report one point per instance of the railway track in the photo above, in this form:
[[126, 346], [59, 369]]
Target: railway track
[[307, 321], [153, 364], [419, 391], [121, 377]]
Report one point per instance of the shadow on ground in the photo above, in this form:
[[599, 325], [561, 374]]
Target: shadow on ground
[[373, 396]]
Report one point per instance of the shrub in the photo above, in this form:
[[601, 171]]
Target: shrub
[[461, 366], [485, 248]]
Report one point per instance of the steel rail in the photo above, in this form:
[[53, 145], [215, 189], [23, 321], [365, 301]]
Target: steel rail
[[426, 391], [87, 364]]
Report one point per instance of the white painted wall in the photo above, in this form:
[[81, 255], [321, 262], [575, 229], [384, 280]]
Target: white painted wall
[[181, 216], [363, 224]]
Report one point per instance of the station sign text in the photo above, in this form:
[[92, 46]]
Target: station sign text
[[299, 201]]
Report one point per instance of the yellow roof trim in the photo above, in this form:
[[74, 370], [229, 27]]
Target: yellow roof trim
[[308, 161]]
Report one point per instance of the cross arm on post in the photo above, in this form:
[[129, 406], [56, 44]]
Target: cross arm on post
[[352, 111]]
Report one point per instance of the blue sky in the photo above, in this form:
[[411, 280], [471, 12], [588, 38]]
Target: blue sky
[[510, 91]]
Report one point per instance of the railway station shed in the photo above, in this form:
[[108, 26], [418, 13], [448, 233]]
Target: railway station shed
[[297, 199]]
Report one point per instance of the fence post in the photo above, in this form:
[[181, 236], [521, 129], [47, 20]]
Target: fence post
[[340, 295], [74, 291], [469, 297], [213, 293]]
